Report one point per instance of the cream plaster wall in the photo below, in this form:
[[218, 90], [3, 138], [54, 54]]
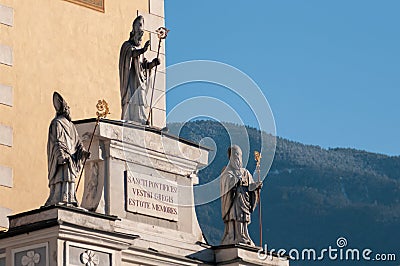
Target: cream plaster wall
[[57, 45]]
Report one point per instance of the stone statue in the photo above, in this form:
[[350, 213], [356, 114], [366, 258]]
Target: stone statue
[[134, 74], [65, 155], [239, 197]]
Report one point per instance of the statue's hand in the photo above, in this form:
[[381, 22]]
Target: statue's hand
[[156, 62], [257, 185], [86, 154], [146, 46]]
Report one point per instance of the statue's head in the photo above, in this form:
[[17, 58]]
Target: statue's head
[[235, 156], [137, 30], [61, 106]]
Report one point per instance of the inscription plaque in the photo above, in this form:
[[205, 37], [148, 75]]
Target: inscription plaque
[[152, 196]]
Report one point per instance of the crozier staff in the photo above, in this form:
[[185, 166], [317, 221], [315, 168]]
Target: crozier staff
[[162, 34]]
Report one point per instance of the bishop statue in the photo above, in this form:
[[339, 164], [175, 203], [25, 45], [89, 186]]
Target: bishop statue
[[134, 75]]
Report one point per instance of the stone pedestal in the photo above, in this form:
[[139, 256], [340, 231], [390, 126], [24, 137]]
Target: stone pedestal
[[142, 175], [145, 177], [138, 208], [60, 235]]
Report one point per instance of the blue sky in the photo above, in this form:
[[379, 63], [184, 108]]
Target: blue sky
[[329, 69]]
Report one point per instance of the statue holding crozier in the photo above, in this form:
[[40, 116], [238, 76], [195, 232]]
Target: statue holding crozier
[[65, 155], [239, 199], [134, 74]]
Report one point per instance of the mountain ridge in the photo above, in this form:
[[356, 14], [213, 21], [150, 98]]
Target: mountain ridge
[[311, 195]]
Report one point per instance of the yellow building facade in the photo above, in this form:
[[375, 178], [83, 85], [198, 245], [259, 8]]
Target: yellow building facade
[[67, 46]]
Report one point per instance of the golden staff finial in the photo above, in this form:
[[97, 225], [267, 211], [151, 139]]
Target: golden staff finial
[[257, 157], [102, 111], [162, 33]]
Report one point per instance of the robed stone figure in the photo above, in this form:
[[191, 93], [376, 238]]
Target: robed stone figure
[[239, 197], [134, 75], [65, 155]]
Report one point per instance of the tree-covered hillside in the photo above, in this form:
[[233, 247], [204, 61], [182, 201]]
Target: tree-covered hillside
[[311, 196]]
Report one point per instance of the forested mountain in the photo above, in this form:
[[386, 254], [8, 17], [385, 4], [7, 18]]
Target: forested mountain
[[311, 196]]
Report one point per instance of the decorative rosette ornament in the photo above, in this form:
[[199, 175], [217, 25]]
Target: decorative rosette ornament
[[89, 258], [30, 259], [162, 32]]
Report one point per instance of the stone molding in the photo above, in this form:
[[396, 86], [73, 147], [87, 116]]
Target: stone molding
[[128, 140], [67, 223]]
